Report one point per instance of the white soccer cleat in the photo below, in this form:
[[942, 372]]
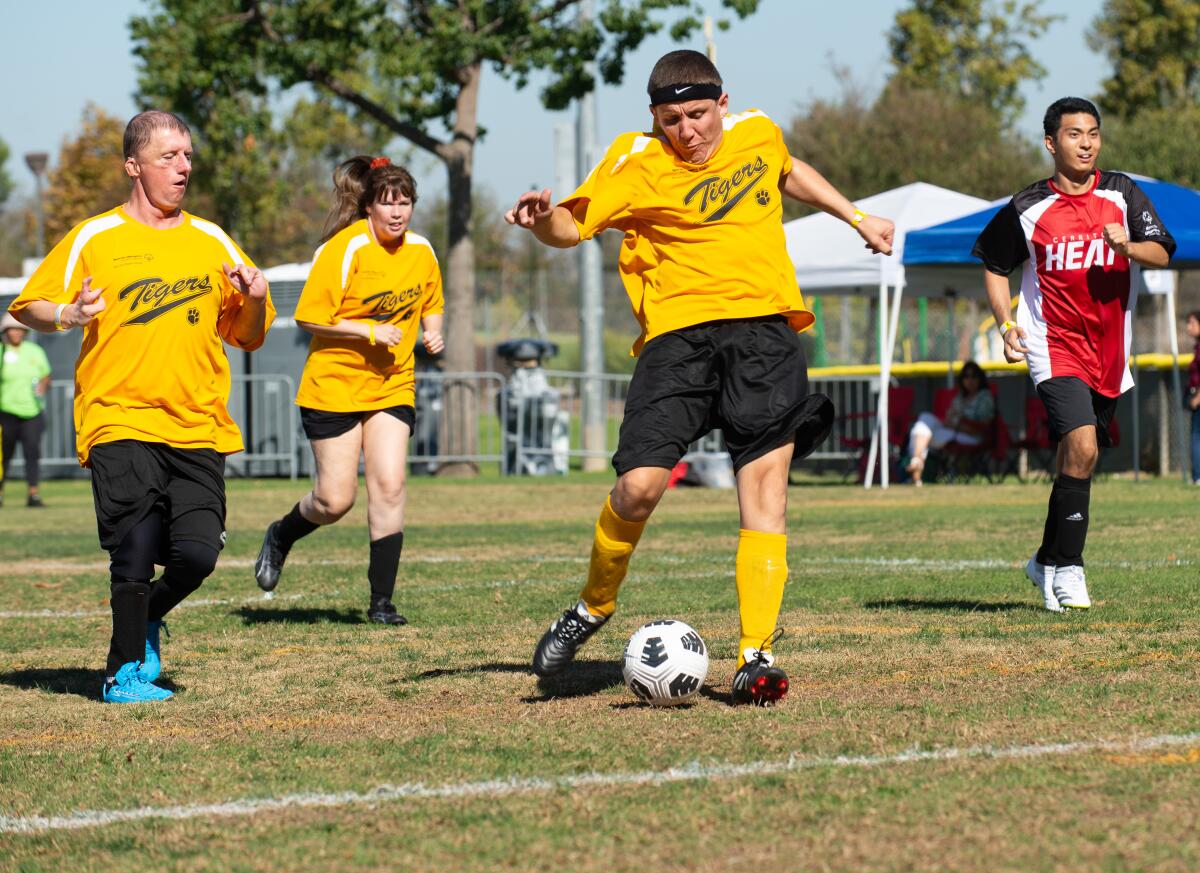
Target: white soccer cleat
[[1070, 587], [1042, 577]]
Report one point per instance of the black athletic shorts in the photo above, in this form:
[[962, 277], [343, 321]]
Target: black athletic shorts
[[747, 377], [320, 425], [131, 479], [1070, 403]]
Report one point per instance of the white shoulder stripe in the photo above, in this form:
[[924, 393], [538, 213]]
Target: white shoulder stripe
[[320, 249], [732, 121], [639, 145], [356, 243], [417, 239], [220, 236], [86, 233]]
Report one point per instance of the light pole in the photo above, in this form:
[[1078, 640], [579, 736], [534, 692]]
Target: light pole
[[36, 161]]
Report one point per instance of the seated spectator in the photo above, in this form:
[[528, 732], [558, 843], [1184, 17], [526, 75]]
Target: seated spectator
[[966, 423]]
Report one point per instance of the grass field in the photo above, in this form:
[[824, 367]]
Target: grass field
[[937, 720]]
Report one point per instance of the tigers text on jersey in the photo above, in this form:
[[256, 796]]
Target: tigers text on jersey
[[1077, 294], [152, 367], [353, 277], [703, 242]]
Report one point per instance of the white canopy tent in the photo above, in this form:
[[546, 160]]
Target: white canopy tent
[[831, 259]]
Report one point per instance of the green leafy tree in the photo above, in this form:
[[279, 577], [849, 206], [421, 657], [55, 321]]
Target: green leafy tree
[[6, 182], [412, 66], [89, 176], [928, 136], [972, 48], [1158, 142], [1154, 48]]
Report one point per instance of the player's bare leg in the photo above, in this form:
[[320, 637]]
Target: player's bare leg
[[332, 497], [385, 451]]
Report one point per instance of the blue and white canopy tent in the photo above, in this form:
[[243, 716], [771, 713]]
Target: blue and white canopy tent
[[945, 250], [831, 259]]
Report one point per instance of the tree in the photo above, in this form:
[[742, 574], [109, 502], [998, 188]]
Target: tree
[[1159, 142], [6, 182], [89, 177], [971, 48], [865, 146], [413, 66], [1154, 47]]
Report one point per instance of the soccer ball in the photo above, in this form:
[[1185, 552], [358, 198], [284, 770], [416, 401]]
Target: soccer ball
[[665, 663]]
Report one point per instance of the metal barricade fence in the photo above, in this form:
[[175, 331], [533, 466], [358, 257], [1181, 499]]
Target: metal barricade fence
[[854, 400], [476, 400], [263, 407], [260, 404]]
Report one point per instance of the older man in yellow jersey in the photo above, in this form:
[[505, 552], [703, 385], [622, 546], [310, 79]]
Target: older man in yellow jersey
[[709, 279], [156, 292]]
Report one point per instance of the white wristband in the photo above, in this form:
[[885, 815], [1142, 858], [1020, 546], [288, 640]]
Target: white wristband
[[58, 325]]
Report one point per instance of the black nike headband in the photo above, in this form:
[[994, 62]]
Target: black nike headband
[[681, 93]]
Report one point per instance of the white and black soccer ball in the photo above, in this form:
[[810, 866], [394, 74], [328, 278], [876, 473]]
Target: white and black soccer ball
[[665, 663]]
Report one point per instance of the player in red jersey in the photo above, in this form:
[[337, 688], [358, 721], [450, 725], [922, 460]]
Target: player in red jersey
[[1082, 236]]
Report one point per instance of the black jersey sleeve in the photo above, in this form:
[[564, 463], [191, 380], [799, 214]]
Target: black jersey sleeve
[[1144, 223], [1001, 246]]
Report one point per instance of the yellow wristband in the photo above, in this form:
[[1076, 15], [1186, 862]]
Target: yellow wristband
[[1006, 327], [371, 329], [856, 220]]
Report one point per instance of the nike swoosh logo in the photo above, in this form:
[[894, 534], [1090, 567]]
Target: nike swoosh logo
[[679, 91]]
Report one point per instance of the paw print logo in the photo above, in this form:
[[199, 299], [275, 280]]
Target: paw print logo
[[762, 197], [193, 315]]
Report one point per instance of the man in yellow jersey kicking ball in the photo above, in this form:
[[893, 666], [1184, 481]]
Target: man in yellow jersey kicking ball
[[156, 292], [707, 272]]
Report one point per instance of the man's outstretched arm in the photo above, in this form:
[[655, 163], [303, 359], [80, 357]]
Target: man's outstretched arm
[[805, 184], [552, 225]]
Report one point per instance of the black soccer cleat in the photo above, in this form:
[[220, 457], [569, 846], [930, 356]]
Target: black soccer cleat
[[557, 647], [759, 681], [383, 612], [270, 560]]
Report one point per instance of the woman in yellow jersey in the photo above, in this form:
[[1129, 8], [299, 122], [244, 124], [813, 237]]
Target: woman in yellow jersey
[[372, 282]]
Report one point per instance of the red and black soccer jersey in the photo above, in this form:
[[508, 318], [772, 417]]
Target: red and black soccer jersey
[[1077, 294]]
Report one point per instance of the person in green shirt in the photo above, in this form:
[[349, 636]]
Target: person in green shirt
[[24, 379]]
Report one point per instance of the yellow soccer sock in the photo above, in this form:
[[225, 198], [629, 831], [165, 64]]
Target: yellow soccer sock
[[761, 574], [615, 541]]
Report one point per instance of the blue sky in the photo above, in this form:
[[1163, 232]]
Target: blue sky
[[57, 55]]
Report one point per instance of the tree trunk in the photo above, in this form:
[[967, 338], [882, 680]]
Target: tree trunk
[[462, 398]]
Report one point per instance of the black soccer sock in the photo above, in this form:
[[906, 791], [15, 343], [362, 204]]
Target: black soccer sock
[[292, 527], [1046, 554], [188, 565], [1074, 495], [385, 560], [130, 599]]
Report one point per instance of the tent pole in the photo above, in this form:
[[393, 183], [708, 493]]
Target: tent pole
[[1173, 334], [893, 332], [879, 435]]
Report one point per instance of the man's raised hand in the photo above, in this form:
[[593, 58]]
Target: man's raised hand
[[533, 206], [248, 280], [878, 233], [87, 306]]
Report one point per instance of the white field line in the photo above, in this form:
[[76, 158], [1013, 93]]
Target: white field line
[[404, 591], [517, 785], [856, 561]]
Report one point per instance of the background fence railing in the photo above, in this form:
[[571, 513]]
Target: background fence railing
[[530, 424]]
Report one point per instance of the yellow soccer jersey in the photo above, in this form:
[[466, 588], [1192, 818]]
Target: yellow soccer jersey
[[152, 367], [702, 241], [355, 278]]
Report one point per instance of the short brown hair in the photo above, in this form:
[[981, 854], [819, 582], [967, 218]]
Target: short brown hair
[[683, 67], [141, 128]]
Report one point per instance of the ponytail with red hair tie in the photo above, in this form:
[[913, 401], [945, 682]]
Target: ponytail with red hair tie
[[376, 163]]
